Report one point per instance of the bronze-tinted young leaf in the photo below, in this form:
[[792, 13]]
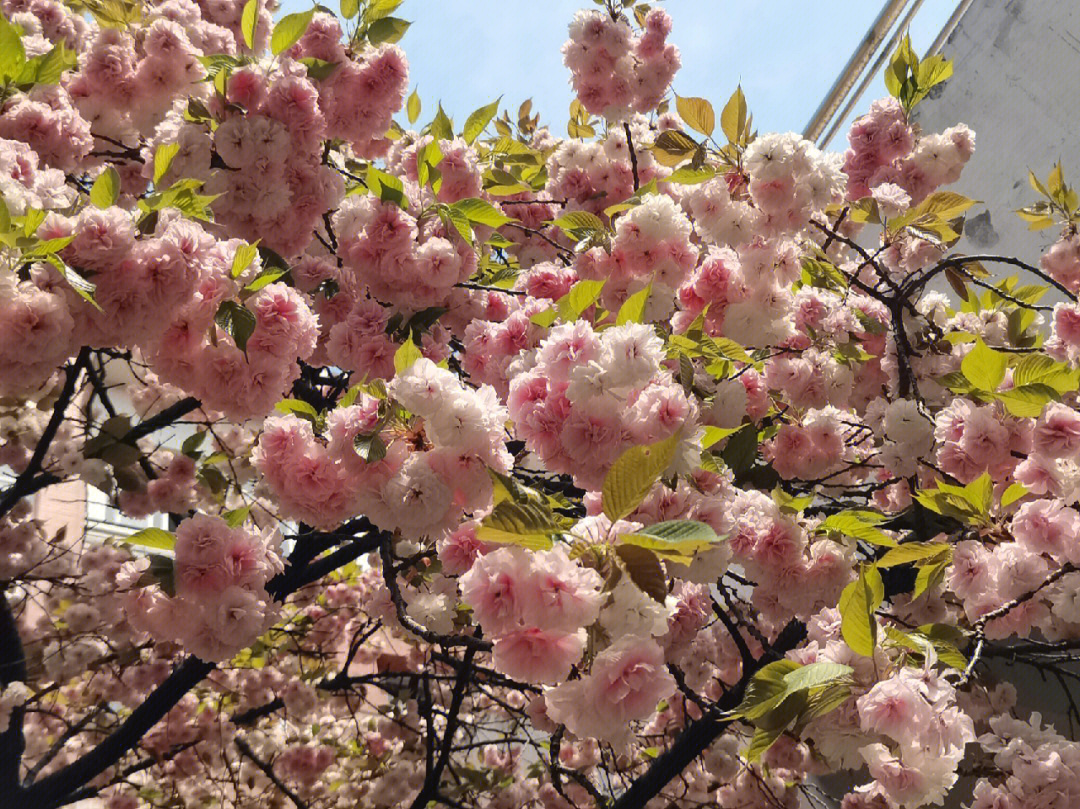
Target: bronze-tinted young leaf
[[644, 570]]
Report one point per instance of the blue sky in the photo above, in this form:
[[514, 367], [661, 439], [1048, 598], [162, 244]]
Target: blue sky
[[468, 52]]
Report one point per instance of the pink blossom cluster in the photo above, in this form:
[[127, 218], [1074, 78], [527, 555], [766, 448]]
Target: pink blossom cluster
[[652, 246], [534, 606], [615, 71], [796, 574], [588, 396], [324, 481], [395, 258], [221, 604], [885, 150], [1062, 261], [1038, 766], [624, 685], [973, 439], [597, 175], [359, 97]]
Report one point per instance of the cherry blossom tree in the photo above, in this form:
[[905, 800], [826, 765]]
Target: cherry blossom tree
[[665, 464]]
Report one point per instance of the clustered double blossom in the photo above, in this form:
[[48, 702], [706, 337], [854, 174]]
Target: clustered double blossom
[[595, 436]]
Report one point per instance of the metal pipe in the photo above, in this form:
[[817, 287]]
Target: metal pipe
[[869, 75], [849, 75], [950, 26]]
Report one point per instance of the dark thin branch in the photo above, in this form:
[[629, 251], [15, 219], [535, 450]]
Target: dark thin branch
[[701, 733], [25, 483], [268, 771], [390, 579], [431, 782], [633, 154]]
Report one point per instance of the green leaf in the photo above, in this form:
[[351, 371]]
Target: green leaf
[[482, 212], [247, 22], [733, 116], [930, 576], [716, 434], [266, 278], [236, 517], [289, 30], [1012, 494], [634, 473], [528, 525], [106, 189], [242, 258], [1027, 401], [581, 296], [54, 64], [741, 450], [1041, 369], [152, 538], [633, 308], [674, 540], [697, 112], [813, 675], [406, 355], [12, 54], [297, 407], [690, 176], [387, 29], [387, 187], [644, 569], [915, 552], [412, 107], [371, 448], [350, 8], [319, 69], [858, 524], [984, 367], [237, 321], [579, 221], [478, 121], [191, 444], [442, 127], [858, 603], [163, 158]]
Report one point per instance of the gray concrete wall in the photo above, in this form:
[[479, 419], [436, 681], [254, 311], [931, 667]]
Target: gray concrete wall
[[1017, 84]]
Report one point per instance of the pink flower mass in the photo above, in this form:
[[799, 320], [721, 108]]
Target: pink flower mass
[[358, 455]]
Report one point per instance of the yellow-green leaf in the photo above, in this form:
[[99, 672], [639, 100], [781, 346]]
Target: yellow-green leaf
[[413, 107], [733, 116], [289, 30], [984, 367], [248, 20], [406, 355], [633, 308], [152, 538], [635, 472], [106, 189], [478, 121], [528, 525], [858, 603]]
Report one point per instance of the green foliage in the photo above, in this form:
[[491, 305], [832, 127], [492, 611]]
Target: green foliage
[[237, 321], [406, 355], [634, 473], [526, 524], [1061, 203], [858, 603], [152, 538], [289, 30], [909, 79], [106, 189], [477, 122], [674, 540]]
